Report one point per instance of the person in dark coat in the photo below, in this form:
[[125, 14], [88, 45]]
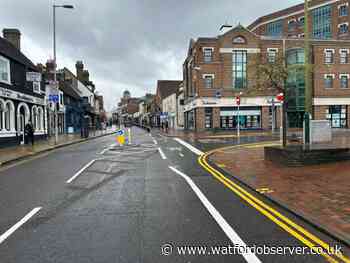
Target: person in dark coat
[[29, 133]]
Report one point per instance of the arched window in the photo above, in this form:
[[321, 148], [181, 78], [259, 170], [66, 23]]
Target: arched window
[[9, 116], [2, 114], [34, 117], [40, 120]]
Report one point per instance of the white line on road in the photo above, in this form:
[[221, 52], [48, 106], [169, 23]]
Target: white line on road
[[189, 146], [181, 155], [230, 233], [9, 232], [162, 153], [104, 151], [155, 142], [80, 171]]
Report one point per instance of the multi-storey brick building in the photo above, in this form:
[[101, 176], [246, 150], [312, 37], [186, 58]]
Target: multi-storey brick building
[[219, 68]]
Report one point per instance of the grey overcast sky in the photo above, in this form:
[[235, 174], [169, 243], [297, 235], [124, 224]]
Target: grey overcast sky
[[125, 44]]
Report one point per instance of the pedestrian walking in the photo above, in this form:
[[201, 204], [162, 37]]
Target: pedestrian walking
[[29, 133], [166, 126]]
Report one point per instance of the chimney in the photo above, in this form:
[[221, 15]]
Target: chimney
[[85, 77], [13, 36], [80, 69]]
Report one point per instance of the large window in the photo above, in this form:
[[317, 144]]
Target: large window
[[322, 22], [4, 70], [343, 10], [337, 114], [344, 81], [208, 81], [328, 81], [344, 56], [329, 56], [208, 55], [239, 69], [274, 29]]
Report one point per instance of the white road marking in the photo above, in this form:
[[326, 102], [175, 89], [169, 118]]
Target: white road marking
[[155, 142], [162, 153], [104, 151], [189, 146], [80, 171], [228, 230], [181, 154], [9, 232]]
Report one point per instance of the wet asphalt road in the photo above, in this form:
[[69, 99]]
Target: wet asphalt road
[[125, 206]]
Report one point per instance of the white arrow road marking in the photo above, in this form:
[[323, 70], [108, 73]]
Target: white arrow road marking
[[162, 154], [9, 232], [80, 171], [189, 146], [229, 231]]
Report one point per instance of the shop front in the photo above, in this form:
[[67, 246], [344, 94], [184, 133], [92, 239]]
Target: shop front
[[248, 118]]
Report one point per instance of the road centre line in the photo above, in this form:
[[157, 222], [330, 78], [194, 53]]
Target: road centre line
[[189, 146], [80, 171], [285, 223], [228, 230], [162, 154], [9, 232], [104, 151]]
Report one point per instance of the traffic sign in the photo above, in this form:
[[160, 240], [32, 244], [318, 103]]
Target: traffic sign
[[238, 100], [54, 98], [120, 132], [280, 97]]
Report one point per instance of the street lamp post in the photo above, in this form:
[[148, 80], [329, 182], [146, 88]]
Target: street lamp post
[[55, 64]]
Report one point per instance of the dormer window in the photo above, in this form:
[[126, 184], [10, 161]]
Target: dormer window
[[301, 21], [208, 54], [4, 70], [292, 24]]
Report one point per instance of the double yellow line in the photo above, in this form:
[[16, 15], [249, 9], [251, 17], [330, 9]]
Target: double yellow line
[[285, 223]]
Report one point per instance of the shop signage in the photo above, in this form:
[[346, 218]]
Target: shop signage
[[33, 76], [20, 96], [240, 113]]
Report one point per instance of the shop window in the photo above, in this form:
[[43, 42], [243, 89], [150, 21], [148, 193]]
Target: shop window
[[337, 115]]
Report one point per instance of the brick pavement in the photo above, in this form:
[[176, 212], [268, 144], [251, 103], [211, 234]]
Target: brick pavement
[[319, 193]]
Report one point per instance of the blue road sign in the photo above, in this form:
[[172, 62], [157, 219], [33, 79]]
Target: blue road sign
[[120, 133], [54, 98]]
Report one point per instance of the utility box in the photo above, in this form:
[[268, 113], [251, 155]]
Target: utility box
[[320, 131]]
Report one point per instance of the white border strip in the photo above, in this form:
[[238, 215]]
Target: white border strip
[[9, 232], [189, 146], [80, 171], [228, 230], [162, 154]]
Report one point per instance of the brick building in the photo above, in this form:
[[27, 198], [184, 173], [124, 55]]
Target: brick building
[[219, 68]]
